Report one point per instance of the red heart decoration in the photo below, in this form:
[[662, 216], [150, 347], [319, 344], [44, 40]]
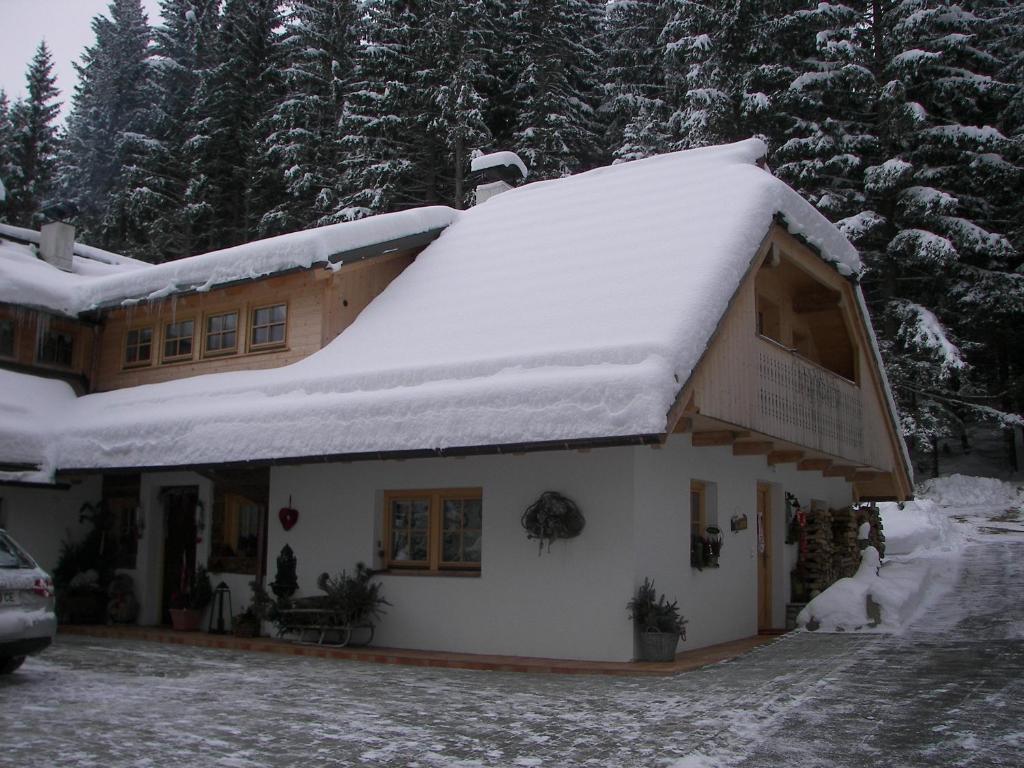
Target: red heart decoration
[[288, 517]]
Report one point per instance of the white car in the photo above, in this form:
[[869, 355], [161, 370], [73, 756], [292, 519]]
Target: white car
[[27, 619]]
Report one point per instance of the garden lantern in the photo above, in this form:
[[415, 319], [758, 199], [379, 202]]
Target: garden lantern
[[222, 594]]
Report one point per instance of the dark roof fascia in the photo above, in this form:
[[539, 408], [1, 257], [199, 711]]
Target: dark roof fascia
[[55, 486], [424, 453], [336, 260]]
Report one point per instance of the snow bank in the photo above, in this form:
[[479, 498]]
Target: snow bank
[[964, 491], [921, 526]]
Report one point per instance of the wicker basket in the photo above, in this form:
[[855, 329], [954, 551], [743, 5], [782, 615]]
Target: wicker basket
[[657, 646]]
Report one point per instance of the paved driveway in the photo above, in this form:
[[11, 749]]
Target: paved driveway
[[948, 693]]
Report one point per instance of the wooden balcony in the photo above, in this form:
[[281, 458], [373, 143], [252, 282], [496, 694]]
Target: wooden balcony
[[802, 403]]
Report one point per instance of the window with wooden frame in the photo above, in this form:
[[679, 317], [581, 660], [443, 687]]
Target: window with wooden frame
[[221, 333], [698, 508], [235, 534], [6, 337], [178, 340], [138, 347], [56, 347], [433, 530], [268, 326]]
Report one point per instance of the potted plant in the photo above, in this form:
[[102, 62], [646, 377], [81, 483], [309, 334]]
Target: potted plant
[[189, 603], [249, 622], [658, 623], [356, 599]]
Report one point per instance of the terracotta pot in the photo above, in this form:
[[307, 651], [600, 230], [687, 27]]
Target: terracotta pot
[[186, 619]]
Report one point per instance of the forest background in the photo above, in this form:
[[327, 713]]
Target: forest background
[[901, 120]]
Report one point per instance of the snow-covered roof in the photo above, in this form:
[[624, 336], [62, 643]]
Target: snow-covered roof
[[563, 310], [101, 279]]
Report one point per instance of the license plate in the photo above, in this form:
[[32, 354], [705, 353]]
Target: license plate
[[9, 598]]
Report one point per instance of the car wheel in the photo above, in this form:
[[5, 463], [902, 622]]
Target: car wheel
[[10, 663]]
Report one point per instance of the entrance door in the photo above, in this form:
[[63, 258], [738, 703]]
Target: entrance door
[[179, 541], [764, 557]]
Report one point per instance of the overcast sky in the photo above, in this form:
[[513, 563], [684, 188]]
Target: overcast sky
[[66, 27]]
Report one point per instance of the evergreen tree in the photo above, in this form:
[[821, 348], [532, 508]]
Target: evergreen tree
[[110, 112], [937, 265], [320, 48], [633, 109], [557, 90], [232, 185], [35, 143], [827, 112], [7, 167], [412, 120], [168, 200]]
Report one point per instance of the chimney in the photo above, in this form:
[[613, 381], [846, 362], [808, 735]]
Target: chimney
[[56, 242], [498, 171]]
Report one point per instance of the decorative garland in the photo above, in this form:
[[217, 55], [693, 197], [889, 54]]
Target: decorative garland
[[552, 516]]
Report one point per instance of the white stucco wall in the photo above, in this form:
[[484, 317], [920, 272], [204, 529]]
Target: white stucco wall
[[719, 603], [41, 518], [566, 603]]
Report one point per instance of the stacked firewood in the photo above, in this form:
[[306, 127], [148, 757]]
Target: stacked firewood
[[829, 549], [845, 552], [815, 566]]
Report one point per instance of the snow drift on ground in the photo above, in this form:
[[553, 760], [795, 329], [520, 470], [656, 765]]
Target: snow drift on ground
[[924, 541]]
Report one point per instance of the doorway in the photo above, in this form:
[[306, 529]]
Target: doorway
[[764, 558], [179, 504]]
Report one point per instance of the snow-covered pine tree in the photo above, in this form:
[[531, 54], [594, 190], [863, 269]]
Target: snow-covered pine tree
[[925, 231], [35, 143], [233, 106], [633, 109], [377, 124], [7, 167], [110, 111], [167, 199], [557, 91], [824, 133], [499, 75], [320, 47], [417, 112]]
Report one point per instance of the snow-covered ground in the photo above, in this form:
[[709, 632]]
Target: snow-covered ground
[[925, 540], [946, 691]]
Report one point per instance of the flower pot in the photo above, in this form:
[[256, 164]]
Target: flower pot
[[186, 619], [657, 646]]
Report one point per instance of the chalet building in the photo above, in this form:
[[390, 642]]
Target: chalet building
[[674, 344]]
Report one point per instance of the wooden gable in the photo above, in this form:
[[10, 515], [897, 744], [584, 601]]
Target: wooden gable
[[790, 374]]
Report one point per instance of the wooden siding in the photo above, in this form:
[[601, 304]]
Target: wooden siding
[[29, 324], [321, 303], [758, 384]]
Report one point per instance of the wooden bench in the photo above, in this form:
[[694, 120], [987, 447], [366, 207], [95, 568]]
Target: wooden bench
[[327, 626]]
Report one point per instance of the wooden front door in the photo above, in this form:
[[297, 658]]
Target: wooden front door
[[179, 541], [764, 557]]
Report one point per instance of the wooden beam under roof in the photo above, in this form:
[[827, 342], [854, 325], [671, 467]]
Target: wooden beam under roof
[[815, 301], [752, 448], [784, 457], [716, 437], [814, 465], [841, 470]]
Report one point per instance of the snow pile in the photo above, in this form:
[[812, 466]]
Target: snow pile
[[919, 528], [32, 410], [964, 491], [567, 309]]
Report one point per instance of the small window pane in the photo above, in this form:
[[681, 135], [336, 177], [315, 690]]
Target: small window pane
[[268, 325], [7, 338], [178, 339], [221, 335]]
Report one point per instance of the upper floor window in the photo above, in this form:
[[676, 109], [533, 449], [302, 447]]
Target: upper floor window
[[138, 346], [6, 338], [433, 530], [268, 326], [222, 333], [178, 340], [55, 347]]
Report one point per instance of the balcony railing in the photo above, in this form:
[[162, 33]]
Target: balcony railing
[[806, 404]]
